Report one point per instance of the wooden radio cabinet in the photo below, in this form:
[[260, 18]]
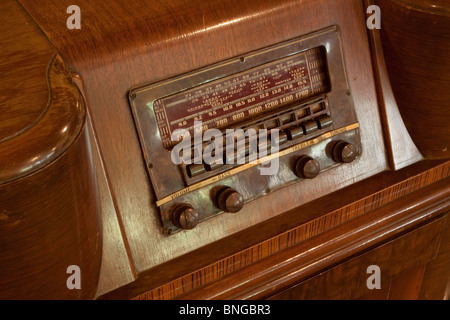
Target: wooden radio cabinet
[[94, 95]]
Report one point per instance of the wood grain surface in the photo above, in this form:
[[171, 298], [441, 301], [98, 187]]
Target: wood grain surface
[[386, 200], [416, 41]]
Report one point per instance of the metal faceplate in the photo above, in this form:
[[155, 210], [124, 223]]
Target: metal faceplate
[[298, 87]]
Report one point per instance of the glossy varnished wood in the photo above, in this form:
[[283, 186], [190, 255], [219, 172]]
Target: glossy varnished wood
[[49, 215], [280, 271], [436, 277], [416, 41], [297, 237], [114, 249], [344, 212], [151, 41], [24, 99], [47, 139]]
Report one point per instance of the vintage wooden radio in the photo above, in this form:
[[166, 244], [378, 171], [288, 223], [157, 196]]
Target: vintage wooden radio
[[298, 89], [224, 149]]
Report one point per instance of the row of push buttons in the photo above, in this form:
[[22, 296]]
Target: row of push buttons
[[289, 134]]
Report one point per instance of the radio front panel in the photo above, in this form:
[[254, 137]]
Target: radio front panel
[[219, 137]]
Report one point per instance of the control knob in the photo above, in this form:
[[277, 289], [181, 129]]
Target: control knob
[[307, 167]]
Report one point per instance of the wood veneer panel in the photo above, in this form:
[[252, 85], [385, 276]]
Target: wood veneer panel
[[49, 215], [436, 279], [397, 259], [403, 154], [115, 256]]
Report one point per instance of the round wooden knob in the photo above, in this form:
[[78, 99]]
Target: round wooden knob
[[344, 152], [307, 167], [185, 217], [229, 200]]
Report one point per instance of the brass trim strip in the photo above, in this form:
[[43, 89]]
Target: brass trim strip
[[247, 166]]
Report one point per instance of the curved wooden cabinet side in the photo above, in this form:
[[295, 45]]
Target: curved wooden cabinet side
[[49, 212]]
